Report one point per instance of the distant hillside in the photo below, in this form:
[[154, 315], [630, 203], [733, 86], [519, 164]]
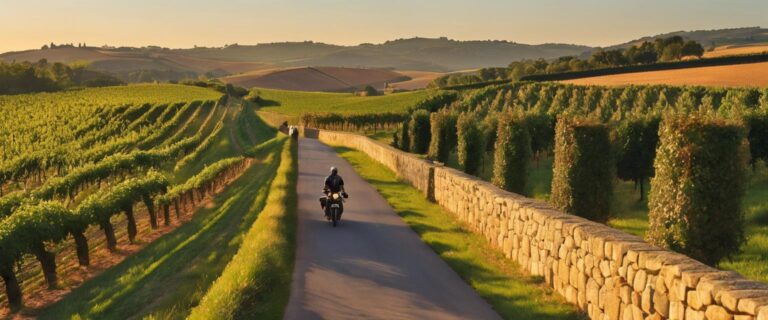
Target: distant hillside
[[424, 54], [332, 79], [712, 38], [136, 64], [435, 55]]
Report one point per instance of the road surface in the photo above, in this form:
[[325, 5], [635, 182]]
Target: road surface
[[372, 266]]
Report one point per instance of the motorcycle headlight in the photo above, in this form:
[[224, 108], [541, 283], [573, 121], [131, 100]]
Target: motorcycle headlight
[[335, 196]]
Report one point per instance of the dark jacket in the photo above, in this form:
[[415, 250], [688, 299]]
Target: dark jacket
[[334, 183]]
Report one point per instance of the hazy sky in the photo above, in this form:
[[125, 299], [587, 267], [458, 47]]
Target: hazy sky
[[26, 24]]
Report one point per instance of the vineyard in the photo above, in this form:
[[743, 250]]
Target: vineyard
[[90, 177], [592, 150]]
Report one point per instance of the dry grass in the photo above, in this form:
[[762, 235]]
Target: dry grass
[[419, 79], [740, 75], [737, 50]]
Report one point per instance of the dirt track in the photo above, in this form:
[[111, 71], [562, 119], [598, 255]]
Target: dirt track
[[373, 266]]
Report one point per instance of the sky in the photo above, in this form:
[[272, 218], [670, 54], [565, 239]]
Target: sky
[[28, 24]]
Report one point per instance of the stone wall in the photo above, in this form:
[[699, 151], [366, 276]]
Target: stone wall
[[416, 171], [607, 273]]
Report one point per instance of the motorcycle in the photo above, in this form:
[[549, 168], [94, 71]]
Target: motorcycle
[[333, 206]]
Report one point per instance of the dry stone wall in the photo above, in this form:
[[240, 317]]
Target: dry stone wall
[[607, 273], [417, 172]]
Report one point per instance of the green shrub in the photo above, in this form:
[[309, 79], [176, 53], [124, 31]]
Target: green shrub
[[443, 128], [695, 199], [470, 145], [490, 128], [419, 132], [758, 136], [405, 140], [513, 152], [582, 181], [636, 140]]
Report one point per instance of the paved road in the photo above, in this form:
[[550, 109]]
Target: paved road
[[373, 266]]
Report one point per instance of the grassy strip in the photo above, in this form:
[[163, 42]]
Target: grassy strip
[[512, 293], [297, 102], [256, 282]]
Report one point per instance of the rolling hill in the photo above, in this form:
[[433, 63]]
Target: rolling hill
[[711, 38], [332, 79], [286, 65]]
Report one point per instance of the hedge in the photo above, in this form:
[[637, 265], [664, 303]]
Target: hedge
[[470, 145], [419, 132], [583, 173], [513, 152], [696, 194], [443, 134], [404, 142]]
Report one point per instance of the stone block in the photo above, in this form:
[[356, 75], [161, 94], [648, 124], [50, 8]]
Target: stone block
[[646, 301], [715, 312], [640, 280], [692, 300], [752, 305], [625, 293], [762, 313], [612, 307], [661, 304], [691, 314]]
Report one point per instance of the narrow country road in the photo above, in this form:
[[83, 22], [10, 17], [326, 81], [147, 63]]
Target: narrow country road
[[373, 266]]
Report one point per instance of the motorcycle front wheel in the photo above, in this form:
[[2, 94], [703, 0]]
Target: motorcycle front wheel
[[335, 216]]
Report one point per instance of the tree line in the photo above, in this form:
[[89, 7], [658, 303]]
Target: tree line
[[42, 76], [669, 49]]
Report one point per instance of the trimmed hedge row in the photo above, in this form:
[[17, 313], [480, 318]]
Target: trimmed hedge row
[[443, 133], [583, 173], [470, 143], [696, 194], [513, 153]]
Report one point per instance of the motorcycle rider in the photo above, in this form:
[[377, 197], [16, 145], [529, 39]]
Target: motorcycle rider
[[334, 184]]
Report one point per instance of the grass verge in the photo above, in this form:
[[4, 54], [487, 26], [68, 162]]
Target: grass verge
[[512, 293], [256, 282]]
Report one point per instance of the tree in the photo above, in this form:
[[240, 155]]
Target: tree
[[583, 173], [692, 48], [636, 141], [696, 194], [643, 54], [672, 52], [609, 58]]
